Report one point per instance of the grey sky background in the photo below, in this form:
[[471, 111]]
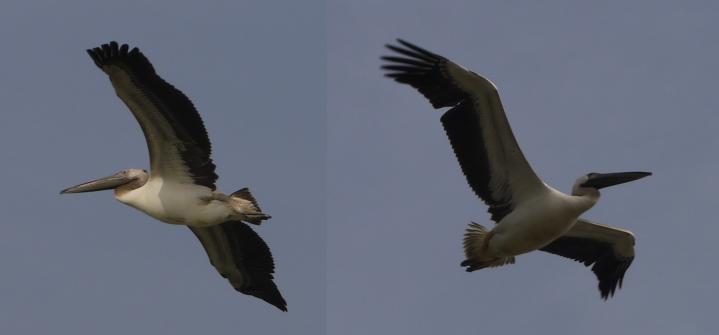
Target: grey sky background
[[86, 264], [588, 86], [616, 86]]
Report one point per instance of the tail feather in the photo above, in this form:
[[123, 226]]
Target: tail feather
[[475, 243], [248, 206], [244, 193]]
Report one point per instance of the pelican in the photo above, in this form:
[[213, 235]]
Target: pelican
[[530, 214], [180, 187]]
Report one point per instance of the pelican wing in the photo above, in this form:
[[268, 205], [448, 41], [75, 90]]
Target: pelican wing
[[241, 256], [176, 137], [476, 125], [610, 252]]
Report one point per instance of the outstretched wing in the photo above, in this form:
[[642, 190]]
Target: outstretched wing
[[241, 256], [609, 251], [476, 125], [175, 134]]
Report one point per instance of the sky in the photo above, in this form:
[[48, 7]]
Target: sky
[[368, 202], [587, 86], [86, 264]]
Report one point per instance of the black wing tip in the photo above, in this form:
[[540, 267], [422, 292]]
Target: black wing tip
[[260, 267], [112, 52], [416, 48], [423, 70], [391, 46], [607, 291], [276, 300], [413, 51], [610, 281], [269, 293], [402, 42], [108, 50]]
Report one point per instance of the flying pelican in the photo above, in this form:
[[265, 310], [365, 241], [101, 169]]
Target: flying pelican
[[180, 187], [530, 214]]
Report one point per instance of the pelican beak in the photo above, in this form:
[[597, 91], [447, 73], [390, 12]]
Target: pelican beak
[[106, 183], [602, 180]]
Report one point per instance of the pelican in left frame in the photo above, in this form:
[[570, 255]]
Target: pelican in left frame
[[530, 214], [180, 187]]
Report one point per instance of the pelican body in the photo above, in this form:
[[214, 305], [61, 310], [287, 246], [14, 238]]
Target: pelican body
[[535, 223], [174, 202], [180, 187], [187, 204], [540, 220], [530, 214]]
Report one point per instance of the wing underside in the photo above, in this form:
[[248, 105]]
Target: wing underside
[[176, 137], [609, 251], [476, 125], [241, 256]]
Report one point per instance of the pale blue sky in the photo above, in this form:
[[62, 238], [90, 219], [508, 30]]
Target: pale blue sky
[[86, 264], [587, 86]]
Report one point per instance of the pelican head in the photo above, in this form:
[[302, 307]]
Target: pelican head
[[592, 182], [125, 179]]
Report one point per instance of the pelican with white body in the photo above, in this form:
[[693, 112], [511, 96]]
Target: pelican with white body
[[530, 214], [180, 187]]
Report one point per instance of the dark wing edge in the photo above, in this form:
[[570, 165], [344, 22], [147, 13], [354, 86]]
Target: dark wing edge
[[175, 106], [426, 72], [609, 252], [460, 124], [241, 256]]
